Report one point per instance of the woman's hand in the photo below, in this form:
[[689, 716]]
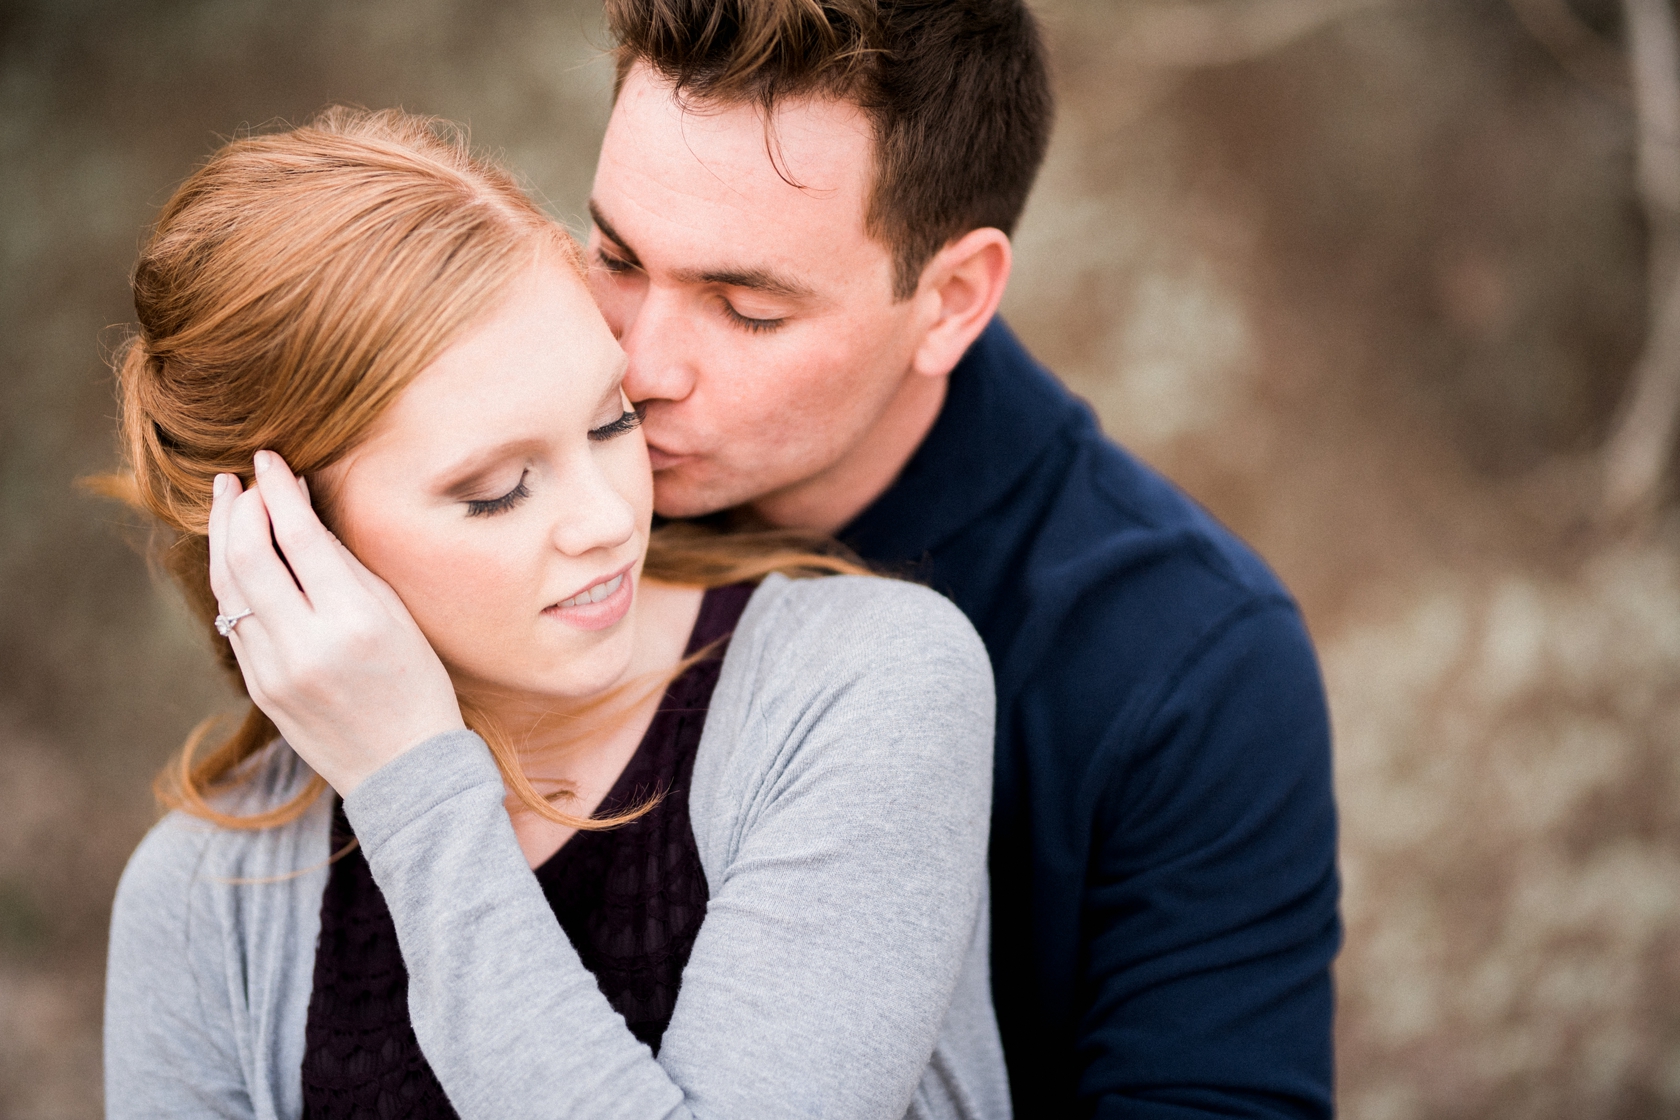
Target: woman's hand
[[331, 656]]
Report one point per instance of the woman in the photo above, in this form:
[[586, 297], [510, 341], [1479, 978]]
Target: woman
[[759, 882]]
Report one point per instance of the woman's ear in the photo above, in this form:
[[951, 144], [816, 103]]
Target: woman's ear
[[960, 288]]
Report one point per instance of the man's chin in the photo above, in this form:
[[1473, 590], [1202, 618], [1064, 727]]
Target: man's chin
[[680, 499]]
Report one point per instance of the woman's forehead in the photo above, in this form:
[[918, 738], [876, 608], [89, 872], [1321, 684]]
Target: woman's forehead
[[541, 353]]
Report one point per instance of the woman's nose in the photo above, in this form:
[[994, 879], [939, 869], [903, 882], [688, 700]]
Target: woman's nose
[[599, 515]]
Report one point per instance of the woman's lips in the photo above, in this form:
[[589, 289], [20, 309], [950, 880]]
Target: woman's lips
[[599, 605]]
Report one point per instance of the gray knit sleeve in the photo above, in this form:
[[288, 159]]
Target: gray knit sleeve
[[171, 1039], [841, 805], [208, 972]]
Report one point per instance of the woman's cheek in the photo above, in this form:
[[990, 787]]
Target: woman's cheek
[[632, 475], [462, 596]]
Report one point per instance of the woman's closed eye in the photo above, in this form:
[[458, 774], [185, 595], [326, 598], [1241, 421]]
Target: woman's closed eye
[[628, 422], [485, 507]]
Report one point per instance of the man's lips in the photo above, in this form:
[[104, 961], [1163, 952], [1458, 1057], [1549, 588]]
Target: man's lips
[[660, 459], [599, 605]]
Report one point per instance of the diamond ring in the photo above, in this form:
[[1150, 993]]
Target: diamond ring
[[226, 622]]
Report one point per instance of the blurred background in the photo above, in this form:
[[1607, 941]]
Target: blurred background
[[1371, 279]]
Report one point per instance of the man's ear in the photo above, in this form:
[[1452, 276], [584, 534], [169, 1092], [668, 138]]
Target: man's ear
[[960, 291]]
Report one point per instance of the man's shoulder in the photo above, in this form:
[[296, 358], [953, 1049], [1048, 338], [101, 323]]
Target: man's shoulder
[[1131, 580], [1119, 580], [1054, 540], [1083, 504], [1129, 530], [1097, 529], [1136, 632]]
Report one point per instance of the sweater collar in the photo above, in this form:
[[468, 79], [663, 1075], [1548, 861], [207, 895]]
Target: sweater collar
[[1002, 410]]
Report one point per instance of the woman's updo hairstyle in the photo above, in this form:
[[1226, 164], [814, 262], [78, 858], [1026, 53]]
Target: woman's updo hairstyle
[[290, 289]]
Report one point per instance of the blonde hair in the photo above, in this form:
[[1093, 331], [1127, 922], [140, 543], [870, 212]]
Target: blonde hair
[[294, 284]]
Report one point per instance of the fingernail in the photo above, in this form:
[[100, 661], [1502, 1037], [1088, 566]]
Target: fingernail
[[261, 461], [219, 485]]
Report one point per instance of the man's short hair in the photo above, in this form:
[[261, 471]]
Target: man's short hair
[[957, 90]]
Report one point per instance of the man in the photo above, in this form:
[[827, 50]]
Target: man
[[801, 236]]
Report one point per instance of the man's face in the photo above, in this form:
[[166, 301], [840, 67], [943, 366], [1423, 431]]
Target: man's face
[[758, 318]]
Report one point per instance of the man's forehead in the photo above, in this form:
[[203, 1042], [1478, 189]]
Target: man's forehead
[[813, 162]]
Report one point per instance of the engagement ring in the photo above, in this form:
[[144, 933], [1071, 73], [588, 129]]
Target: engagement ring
[[226, 622]]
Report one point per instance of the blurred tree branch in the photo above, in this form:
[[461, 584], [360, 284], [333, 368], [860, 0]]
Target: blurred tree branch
[[1578, 49], [1187, 34], [1642, 441]]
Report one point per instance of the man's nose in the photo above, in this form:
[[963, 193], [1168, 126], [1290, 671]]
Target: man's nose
[[658, 342]]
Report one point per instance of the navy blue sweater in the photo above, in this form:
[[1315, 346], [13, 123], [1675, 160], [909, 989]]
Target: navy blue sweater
[[1164, 888]]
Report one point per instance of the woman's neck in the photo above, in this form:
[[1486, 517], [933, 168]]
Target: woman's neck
[[583, 745]]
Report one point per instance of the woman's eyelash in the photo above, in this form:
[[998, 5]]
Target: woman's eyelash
[[747, 322], [628, 422], [488, 506]]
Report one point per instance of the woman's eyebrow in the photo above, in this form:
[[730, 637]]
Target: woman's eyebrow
[[615, 391], [464, 478]]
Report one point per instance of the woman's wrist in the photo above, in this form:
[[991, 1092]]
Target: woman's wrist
[[416, 781]]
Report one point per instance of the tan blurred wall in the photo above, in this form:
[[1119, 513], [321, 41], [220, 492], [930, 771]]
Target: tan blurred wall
[[1367, 286]]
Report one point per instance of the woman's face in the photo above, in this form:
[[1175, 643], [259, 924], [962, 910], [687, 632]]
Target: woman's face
[[506, 497]]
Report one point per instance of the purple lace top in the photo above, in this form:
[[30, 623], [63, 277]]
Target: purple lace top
[[631, 900]]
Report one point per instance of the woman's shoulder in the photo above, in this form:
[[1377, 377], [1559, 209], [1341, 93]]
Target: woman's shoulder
[[842, 690], [182, 852], [870, 622], [860, 663]]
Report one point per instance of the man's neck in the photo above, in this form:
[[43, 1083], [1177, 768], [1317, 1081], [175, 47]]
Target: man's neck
[[830, 500]]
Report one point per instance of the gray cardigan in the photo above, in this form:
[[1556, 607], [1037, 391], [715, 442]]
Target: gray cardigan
[[840, 804]]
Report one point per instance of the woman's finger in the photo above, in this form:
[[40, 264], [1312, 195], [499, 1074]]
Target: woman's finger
[[370, 582], [259, 580], [376, 586], [308, 547], [223, 492], [246, 636]]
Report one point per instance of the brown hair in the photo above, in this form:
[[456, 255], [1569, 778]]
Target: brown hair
[[290, 290], [957, 90]]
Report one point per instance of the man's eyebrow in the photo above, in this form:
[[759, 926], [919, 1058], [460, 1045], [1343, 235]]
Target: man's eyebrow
[[752, 279], [611, 234]]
